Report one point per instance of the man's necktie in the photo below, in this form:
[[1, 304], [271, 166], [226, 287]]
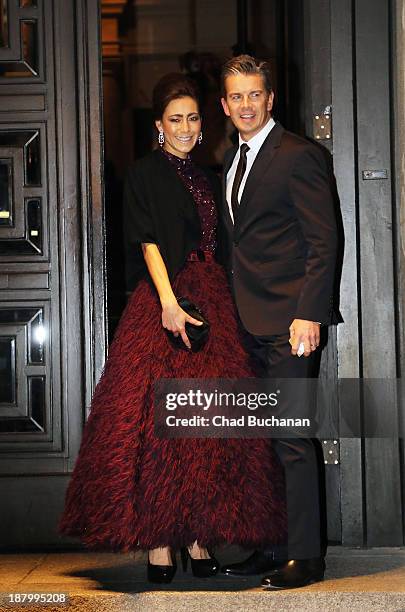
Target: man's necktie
[[240, 171]]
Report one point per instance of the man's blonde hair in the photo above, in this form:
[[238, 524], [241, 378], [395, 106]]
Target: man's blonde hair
[[246, 64]]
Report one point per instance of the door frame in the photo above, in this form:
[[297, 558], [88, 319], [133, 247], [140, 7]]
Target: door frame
[[91, 147]]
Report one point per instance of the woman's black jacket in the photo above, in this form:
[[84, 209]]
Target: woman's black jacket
[[158, 208]]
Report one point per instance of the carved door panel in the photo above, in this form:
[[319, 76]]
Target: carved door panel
[[47, 355]]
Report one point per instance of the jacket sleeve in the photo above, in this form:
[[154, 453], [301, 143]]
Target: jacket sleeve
[[137, 216], [312, 198]]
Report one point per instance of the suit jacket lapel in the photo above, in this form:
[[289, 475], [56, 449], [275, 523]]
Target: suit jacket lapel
[[258, 170]]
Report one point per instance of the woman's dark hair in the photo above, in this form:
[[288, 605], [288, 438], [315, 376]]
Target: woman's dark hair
[[172, 87]]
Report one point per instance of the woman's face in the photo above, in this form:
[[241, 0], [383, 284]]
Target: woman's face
[[181, 125]]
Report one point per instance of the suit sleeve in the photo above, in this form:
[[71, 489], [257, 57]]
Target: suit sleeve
[[137, 217], [311, 195]]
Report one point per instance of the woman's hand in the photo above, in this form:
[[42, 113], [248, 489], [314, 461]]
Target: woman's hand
[[174, 319]]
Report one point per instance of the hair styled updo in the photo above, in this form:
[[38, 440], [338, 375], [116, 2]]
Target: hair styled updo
[[172, 87]]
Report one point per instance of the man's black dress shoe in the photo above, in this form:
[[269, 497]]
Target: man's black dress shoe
[[295, 573], [257, 563]]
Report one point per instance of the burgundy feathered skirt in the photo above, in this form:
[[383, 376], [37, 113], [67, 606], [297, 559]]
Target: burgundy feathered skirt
[[131, 490]]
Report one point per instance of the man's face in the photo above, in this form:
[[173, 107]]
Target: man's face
[[247, 103]]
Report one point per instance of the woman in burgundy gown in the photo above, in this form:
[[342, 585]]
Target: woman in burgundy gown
[[129, 489]]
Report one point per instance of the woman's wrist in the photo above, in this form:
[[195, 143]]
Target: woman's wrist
[[168, 300]]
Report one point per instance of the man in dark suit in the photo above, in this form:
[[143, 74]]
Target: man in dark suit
[[280, 222]]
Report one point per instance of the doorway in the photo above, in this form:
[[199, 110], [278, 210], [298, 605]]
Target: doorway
[[141, 41]]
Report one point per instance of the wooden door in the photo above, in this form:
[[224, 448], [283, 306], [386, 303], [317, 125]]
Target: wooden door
[[344, 49], [52, 338]]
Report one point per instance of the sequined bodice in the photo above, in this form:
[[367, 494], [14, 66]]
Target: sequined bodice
[[198, 185]]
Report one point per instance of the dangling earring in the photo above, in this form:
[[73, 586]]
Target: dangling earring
[[161, 138], [200, 138]]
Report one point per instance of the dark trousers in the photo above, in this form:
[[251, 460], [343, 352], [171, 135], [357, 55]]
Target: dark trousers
[[297, 455]]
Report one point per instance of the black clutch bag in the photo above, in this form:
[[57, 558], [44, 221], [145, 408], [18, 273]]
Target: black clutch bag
[[197, 334]]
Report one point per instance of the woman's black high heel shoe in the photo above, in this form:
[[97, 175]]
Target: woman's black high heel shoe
[[161, 574], [201, 568]]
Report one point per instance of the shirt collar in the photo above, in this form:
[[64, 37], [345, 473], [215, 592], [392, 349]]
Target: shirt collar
[[256, 142]]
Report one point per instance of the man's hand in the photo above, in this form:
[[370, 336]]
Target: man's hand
[[306, 332]]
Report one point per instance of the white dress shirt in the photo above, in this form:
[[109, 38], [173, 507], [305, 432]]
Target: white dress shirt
[[255, 145]]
